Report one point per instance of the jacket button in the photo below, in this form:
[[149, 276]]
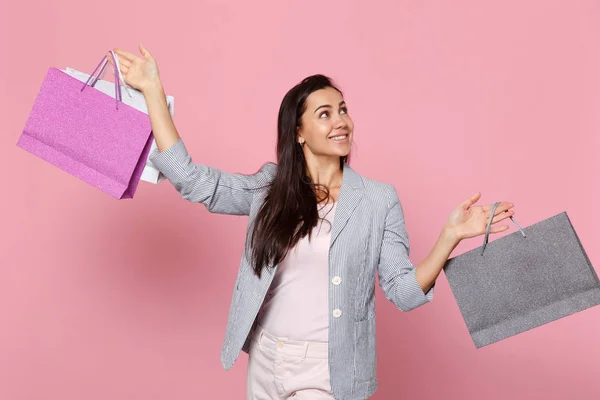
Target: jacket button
[[337, 313], [336, 280]]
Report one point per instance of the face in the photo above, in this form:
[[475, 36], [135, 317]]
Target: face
[[327, 129]]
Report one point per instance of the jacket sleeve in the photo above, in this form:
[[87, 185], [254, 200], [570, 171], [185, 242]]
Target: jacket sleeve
[[220, 192], [397, 274]]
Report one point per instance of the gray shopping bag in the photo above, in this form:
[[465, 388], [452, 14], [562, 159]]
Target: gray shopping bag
[[522, 280]]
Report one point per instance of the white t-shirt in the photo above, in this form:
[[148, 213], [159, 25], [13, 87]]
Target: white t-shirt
[[296, 305]]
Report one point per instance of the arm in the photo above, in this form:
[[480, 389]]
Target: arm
[[163, 128], [410, 287], [403, 284], [429, 269], [220, 192]]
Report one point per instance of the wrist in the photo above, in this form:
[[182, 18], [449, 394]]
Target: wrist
[[153, 87], [450, 236]]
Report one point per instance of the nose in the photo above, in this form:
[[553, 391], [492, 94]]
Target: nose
[[339, 122]]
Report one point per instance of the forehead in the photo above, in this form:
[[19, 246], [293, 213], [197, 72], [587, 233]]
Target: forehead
[[321, 97]]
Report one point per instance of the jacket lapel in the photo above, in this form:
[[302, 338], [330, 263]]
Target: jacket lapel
[[351, 193]]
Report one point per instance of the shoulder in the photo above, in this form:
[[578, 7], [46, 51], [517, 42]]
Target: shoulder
[[266, 173], [269, 168], [380, 192]]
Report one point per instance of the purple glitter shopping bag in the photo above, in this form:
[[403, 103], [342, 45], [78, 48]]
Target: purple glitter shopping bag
[[87, 133]]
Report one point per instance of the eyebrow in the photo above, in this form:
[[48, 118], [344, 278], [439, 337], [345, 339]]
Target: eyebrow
[[328, 106]]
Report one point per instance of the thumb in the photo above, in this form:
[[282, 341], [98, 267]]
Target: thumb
[[472, 200], [145, 52]]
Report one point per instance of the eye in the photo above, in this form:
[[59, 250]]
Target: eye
[[323, 113], [344, 109]]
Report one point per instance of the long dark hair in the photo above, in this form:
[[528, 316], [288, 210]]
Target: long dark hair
[[289, 211]]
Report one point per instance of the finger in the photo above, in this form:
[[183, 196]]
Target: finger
[[125, 54], [471, 200], [496, 229], [502, 207], [145, 52], [124, 71], [124, 63], [502, 216]]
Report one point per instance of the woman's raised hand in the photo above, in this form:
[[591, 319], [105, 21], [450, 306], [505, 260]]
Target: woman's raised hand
[[139, 72], [469, 220]]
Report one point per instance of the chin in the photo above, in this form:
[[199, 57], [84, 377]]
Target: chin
[[342, 153]]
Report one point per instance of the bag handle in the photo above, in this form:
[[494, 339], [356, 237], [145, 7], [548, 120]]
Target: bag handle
[[116, 58], [118, 77], [489, 226]]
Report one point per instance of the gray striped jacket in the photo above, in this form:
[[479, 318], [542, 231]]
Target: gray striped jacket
[[368, 237]]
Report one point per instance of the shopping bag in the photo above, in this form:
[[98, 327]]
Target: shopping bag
[[135, 99], [523, 280], [90, 135]]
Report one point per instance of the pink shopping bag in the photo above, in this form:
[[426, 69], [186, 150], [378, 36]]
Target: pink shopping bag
[[92, 136]]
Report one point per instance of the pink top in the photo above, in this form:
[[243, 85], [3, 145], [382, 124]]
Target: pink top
[[296, 306]]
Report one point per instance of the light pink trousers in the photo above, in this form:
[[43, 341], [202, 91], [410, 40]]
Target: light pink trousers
[[279, 368]]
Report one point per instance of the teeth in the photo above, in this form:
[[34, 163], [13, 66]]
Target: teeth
[[339, 137]]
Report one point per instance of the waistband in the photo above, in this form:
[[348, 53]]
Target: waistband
[[299, 348]]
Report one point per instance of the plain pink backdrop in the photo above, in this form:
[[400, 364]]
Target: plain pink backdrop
[[105, 299]]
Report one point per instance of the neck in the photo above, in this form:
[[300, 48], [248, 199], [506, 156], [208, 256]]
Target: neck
[[325, 171]]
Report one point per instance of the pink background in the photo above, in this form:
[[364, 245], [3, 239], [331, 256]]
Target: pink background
[[106, 299]]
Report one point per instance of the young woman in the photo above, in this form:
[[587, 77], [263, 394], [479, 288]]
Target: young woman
[[318, 232]]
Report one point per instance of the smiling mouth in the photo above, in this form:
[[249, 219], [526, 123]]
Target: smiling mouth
[[338, 137]]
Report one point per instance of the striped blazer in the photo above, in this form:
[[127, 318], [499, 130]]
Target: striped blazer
[[368, 237]]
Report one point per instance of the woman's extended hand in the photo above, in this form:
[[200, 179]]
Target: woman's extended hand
[[138, 72], [468, 220]]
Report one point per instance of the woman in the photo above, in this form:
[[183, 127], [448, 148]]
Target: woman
[[303, 304]]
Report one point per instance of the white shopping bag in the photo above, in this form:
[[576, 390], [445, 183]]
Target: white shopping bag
[[135, 99]]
